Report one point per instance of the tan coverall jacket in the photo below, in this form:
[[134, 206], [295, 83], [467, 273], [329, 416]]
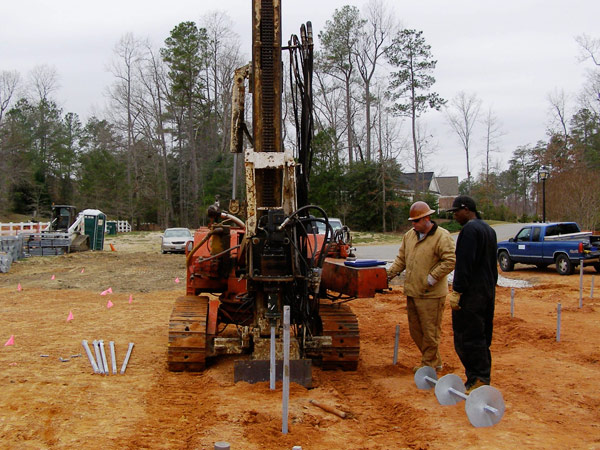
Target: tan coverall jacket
[[434, 254]]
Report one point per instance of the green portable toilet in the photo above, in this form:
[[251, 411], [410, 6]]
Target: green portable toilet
[[111, 227], [94, 223]]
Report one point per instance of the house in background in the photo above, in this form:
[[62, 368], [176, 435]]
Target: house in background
[[448, 191], [444, 188]]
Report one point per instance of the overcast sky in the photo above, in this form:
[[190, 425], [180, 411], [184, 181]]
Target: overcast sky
[[511, 53]]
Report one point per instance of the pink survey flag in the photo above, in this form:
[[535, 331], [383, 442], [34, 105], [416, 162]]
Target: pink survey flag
[[19, 288], [52, 277], [103, 292], [109, 304], [109, 290], [11, 341], [177, 280], [70, 316], [82, 270], [130, 298]]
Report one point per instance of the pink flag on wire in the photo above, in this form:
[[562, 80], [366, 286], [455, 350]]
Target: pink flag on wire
[[82, 270], [109, 304], [11, 341], [70, 316], [53, 277], [177, 280], [19, 288], [103, 292], [109, 290], [130, 298]]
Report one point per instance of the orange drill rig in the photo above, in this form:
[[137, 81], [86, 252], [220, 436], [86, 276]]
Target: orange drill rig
[[252, 268]]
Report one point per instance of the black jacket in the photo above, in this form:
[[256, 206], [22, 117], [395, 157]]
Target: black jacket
[[476, 269]]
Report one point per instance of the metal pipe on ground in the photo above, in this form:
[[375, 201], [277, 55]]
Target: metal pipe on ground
[[113, 357], [98, 356], [126, 360], [103, 353], [396, 340], [88, 352]]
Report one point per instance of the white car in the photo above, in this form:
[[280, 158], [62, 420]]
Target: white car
[[175, 239], [335, 223]]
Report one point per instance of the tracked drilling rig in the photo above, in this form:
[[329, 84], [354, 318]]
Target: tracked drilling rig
[[274, 257]]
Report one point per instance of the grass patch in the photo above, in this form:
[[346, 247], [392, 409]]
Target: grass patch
[[367, 237]]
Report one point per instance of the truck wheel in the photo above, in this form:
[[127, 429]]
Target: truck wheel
[[506, 264], [564, 265]]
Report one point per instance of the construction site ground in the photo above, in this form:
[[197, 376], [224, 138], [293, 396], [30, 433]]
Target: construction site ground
[[550, 388]]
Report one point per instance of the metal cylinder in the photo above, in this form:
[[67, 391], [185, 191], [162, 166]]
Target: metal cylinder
[[286, 369], [558, 323], [221, 445], [396, 344]]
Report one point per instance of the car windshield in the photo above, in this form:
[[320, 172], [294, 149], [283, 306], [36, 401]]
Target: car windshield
[[177, 232], [336, 224]]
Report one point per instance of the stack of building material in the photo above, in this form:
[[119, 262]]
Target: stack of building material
[[11, 249], [44, 244]]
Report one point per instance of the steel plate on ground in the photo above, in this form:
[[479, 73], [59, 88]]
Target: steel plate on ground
[[421, 381], [442, 389], [476, 404]]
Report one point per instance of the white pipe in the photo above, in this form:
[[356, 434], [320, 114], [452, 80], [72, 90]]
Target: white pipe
[[98, 356], [397, 338], [286, 368], [113, 357], [273, 364], [126, 360], [103, 353], [90, 356]]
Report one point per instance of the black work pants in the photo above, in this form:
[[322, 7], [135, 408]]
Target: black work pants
[[473, 326]]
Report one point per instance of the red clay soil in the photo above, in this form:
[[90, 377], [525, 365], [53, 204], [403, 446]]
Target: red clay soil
[[550, 388]]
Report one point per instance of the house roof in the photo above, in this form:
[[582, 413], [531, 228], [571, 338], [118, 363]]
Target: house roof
[[448, 186], [408, 181]]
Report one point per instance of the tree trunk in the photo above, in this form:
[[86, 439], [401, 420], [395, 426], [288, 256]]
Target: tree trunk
[[349, 122]]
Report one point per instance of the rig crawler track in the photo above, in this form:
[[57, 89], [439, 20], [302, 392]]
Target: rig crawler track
[[341, 324], [187, 334]]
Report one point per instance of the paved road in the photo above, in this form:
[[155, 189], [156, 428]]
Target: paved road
[[388, 252]]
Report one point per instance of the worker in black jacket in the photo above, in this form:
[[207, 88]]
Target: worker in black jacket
[[474, 292]]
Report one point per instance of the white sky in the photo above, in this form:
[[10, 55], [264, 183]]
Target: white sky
[[511, 53]]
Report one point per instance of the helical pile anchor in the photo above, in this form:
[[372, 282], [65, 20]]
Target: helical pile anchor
[[484, 405]]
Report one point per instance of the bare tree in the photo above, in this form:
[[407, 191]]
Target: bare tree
[[9, 81], [493, 132], [590, 51], [43, 79], [128, 56], [371, 46], [558, 110], [223, 57], [151, 103], [329, 105], [462, 115]]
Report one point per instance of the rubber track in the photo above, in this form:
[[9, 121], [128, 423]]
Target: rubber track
[[341, 324], [187, 334]]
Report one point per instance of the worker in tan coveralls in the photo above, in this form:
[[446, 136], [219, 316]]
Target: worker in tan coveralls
[[427, 256]]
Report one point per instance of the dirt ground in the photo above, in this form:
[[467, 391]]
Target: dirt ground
[[550, 388]]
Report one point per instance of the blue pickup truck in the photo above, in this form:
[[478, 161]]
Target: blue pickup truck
[[542, 244]]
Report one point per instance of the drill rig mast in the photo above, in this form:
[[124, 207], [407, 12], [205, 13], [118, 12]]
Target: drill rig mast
[[274, 258]]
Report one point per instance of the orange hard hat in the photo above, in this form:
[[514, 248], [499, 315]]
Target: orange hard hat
[[419, 210]]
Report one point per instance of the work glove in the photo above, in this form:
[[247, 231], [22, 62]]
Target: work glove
[[430, 280], [454, 299]]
